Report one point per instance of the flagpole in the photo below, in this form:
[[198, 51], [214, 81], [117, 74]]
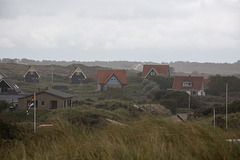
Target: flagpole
[[214, 118], [226, 106], [34, 118]]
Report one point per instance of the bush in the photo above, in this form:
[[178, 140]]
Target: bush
[[159, 94], [217, 85], [169, 104], [4, 105], [162, 81], [8, 130], [182, 98]]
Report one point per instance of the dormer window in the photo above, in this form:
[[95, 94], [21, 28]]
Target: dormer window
[[187, 84], [153, 73]]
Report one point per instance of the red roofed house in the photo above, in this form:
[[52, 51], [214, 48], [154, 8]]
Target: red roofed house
[[155, 70], [111, 78], [192, 85]]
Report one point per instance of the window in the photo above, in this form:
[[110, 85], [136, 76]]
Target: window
[[53, 104], [153, 73], [42, 103], [187, 84]]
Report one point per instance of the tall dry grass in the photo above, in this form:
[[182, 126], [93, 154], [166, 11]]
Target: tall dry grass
[[148, 138]]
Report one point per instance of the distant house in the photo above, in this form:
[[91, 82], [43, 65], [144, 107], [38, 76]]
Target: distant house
[[31, 75], [192, 85], [77, 76], [49, 99], [9, 91], [60, 87], [151, 70], [111, 78]]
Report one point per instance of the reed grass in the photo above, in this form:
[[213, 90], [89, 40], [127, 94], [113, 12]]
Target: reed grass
[[147, 138]]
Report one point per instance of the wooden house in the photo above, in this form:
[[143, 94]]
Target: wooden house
[[77, 76], [49, 99], [152, 70], [9, 91], [192, 85], [111, 78], [31, 75]]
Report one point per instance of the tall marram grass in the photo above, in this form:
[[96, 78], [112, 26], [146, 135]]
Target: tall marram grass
[[148, 138]]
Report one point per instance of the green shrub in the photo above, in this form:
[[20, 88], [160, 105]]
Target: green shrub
[[162, 81], [171, 104], [4, 105], [8, 130]]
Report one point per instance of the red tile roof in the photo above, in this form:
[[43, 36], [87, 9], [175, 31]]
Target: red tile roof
[[197, 83], [159, 69], [105, 75]]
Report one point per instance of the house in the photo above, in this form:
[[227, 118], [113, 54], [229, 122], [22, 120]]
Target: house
[[48, 99], [111, 78], [192, 85], [60, 87], [31, 75], [77, 76], [150, 70], [9, 91]]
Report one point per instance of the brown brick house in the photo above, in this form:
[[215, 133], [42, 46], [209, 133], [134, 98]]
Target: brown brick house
[[49, 99]]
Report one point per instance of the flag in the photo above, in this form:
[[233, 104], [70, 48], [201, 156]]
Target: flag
[[30, 105]]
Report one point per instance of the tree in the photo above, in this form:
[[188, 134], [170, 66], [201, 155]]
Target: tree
[[217, 84]]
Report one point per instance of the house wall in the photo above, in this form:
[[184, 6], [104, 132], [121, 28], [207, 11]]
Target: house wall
[[113, 81], [77, 78], [44, 101], [196, 93], [105, 87], [31, 77]]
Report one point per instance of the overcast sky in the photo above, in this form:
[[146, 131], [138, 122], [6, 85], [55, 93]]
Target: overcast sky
[[135, 30]]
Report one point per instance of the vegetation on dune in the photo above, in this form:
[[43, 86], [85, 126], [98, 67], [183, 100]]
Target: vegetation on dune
[[147, 138], [108, 125]]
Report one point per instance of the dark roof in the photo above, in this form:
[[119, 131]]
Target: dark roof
[[159, 69], [60, 87], [77, 69], [31, 69], [58, 93], [105, 75], [2, 75], [197, 83], [12, 85], [10, 98], [53, 92]]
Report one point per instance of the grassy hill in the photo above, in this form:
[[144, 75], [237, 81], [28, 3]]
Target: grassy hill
[[16, 71], [85, 133]]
